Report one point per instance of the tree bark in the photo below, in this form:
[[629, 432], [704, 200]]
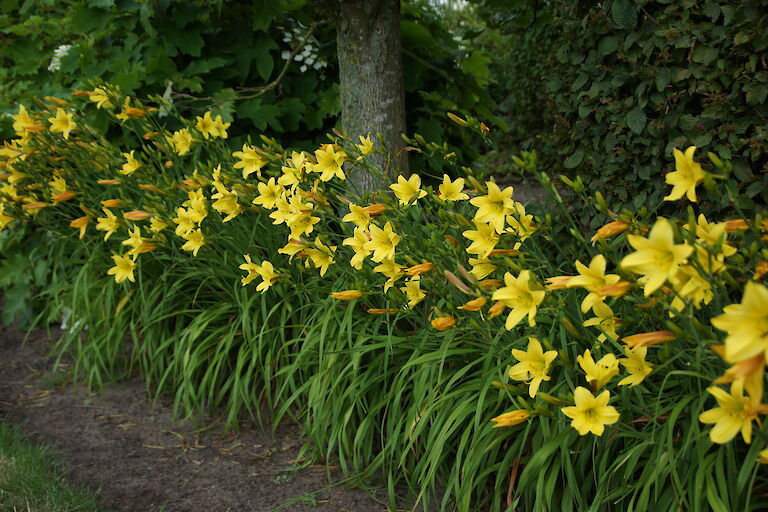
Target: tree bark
[[371, 79]]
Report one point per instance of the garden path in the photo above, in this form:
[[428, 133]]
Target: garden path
[[142, 459]]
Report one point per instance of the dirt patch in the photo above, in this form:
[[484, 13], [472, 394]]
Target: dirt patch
[[142, 459]]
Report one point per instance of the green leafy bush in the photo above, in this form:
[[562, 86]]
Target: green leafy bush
[[639, 78]]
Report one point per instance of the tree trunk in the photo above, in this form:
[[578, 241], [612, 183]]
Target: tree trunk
[[372, 94]]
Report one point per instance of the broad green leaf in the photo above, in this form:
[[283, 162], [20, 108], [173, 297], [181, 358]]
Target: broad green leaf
[[624, 14], [574, 160], [636, 121]]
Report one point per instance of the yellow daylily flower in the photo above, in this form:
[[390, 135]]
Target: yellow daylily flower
[[408, 191], [686, 176], [383, 242], [591, 413], [735, 413], [181, 141], [518, 295], [598, 373], [123, 269], [636, 365], [330, 162], [494, 207], [110, 223], [452, 190], [746, 324], [357, 242], [131, 164], [413, 291], [484, 239], [62, 123], [194, 241], [533, 366], [657, 257], [249, 161]]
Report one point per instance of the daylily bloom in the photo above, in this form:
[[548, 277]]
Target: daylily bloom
[[110, 223], [357, 242], [413, 291], [636, 365], [452, 190], [123, 269], [746, 324], [591, 413], [518, 295], [62, 123], [735, 413], [484, 239], [598, 373], [686, 176], [194, 241], [656, 257], [533, 366], [131, 164], [408, 191], [181, 141], [383, 242], [329, 162], [249, 161], [494, 207], [357, 215], [592, 279]]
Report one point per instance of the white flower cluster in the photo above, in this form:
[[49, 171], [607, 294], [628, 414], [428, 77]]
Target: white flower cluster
[[309, 56], [58, 53]]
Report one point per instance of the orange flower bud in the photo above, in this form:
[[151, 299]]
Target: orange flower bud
[[458, 283], [504, 252], [491, 284], [443, 323], [451, 239], [375, 209], [34, 206], [168, 164], [148, 247], [610, 229], [474, 305], [55, 100], [421, 268], [558, 282], [78, 92], [375, 311], [616, 289], [497, 309], [484, 128], [511, 418], [347, 295], [134, 112], [456, 119], [112, 203], [63, 196], [150, 188], [733, 225], [137, 215], [645, 339], [80, 223], [760, 269], [108, 182]]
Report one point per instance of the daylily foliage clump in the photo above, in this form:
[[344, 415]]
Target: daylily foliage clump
[[597, 346]]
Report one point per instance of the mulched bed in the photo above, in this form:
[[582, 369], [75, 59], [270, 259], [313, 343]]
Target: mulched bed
[[140, 458]]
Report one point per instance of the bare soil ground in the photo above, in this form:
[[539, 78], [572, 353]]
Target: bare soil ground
[[141, 459]]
